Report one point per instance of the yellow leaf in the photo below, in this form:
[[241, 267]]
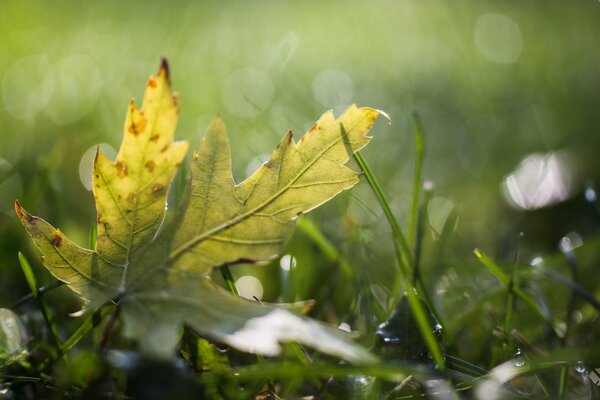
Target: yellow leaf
[[161, 274]]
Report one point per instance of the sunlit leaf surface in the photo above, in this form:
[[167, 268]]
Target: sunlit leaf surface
[[160, 270]]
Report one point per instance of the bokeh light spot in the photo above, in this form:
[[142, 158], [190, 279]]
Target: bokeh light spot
[[255, 163], [498, 38], [539, 181], [86, 165], [11, 186], [333, 89], [287, 262], [249, 287], [27, 87], [78, 84]]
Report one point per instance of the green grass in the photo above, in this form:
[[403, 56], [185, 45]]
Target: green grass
[[384, 251]]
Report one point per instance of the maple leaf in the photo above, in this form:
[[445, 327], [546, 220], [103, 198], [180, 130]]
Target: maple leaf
[[159, 271]]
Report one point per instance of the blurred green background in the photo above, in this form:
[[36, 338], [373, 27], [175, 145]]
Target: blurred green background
[[493, 81]]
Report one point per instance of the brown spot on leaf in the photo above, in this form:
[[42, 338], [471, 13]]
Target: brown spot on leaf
[[98, 218], [138, 126], [164, 148], [150, 165], [131, 197], [157, 188], [56, 239], [154, 138], [152, 83], [121, 168]]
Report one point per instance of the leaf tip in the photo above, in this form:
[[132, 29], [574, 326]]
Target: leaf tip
[[163, 70], [384, 115]]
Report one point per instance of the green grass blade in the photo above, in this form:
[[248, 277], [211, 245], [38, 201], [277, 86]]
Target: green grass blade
[[29, 297], [91, 322], [504, 278], [93, 236], [229, 281], [35, 290], [580, 290], [398, 235], [510, 295], [403, 254], [563, 382], [417, 177], [421, 223], [307, 227]]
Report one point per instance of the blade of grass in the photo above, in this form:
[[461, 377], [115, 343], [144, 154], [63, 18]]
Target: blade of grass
[[536, 375], [29, 297], [422, 216], [35, 290], [510, 294], [93, 236], [228, 277], [563, 382], [573, 268], [91, 322], [497, 271], [417, 278], [581, 291], [417, 176], [402, 248], [404, 260]]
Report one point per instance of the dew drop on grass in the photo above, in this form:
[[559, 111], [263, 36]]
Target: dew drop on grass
[[344, 326], [580, 367], [519, 359]]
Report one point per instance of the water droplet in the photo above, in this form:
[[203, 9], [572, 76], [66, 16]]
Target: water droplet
[[580, 367], [519, 359], [537, 262], [590, 195], [344, 326], [570, 242]]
